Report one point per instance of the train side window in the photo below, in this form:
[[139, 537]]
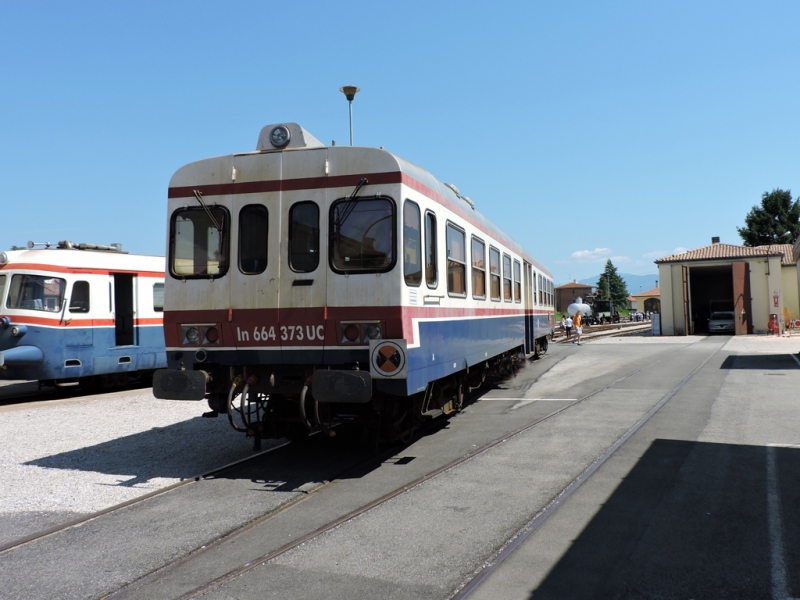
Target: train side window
[[36, 292], [412, 244], [494, 273], [2, 289], [198, 243], [253, 237], [363, 235], [541, 291], [533, 287], [158, 297], [506, 277], [304, 237], [478, 269], [431, 269], [456, 261], [517, 282], [79, 301]]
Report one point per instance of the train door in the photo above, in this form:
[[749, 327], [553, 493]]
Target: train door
[[303, 256], [124, 309], [530, 339], [78, 317]]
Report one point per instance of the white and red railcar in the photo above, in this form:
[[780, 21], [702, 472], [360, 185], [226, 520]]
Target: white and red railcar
[[307, 281]]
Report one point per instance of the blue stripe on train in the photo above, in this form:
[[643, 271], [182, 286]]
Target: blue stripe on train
[[93, 347]]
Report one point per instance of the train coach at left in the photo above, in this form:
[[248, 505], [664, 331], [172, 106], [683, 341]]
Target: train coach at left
[[80, 314]]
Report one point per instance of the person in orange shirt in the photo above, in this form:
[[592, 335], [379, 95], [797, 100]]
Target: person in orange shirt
[[576, 322]]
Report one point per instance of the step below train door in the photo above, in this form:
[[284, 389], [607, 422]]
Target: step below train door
[[304, 264], [254, 275]]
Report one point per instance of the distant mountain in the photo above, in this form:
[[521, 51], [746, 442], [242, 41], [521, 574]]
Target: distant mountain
[[635, 283]]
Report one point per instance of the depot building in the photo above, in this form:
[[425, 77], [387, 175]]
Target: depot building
[[759, 284]]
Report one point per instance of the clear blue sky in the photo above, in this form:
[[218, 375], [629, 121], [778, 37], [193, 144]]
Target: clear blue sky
[[586, 130]]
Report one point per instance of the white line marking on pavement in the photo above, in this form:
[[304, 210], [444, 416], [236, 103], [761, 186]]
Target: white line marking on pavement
[[780, 588], [530, 399]]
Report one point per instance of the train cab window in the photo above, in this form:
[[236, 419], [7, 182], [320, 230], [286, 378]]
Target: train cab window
[[158, 297], [517, 282], [456, 261], [198, 243], [36, 292], [494, 273], [478, 269], [304, 237], [506, 277], [431, 269], [362, 235], [412, 244], [79, 300], [253, 230]]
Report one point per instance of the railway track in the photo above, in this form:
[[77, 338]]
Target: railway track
[[467, 587], [173, 569]]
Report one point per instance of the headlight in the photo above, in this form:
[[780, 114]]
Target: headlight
[[280, 136], [372, 331], [192, 335]]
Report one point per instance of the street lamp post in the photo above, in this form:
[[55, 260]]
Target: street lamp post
[[350, 92]]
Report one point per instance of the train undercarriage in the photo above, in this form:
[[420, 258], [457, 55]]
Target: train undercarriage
[[265, 401]]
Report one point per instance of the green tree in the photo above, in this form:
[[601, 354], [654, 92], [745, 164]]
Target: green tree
[[611, 285], [770, 223]]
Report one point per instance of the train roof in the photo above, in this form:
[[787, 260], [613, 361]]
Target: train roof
[[67, 259], [212, 177]]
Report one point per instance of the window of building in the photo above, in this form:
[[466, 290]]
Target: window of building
[[304, 237], [456, 261], [478, 269], [506, 277], [431, 270], [362, 233], [412, 244], [253, 237], [517, 282], [79, 300]]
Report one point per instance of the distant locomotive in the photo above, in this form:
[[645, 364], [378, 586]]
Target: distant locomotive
[[603, 311], [309, 285], [80, 314]]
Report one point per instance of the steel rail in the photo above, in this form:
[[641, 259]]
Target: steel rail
[[69, 524], [513, 543], [235, 573]]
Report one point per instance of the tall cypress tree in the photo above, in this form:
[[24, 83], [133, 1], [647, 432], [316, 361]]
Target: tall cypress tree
[[618, 291]]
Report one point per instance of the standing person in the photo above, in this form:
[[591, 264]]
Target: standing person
[[568, 325], [563, 324], [578, 329]]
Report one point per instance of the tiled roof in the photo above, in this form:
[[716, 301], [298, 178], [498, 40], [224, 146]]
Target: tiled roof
[[656, 291], [722, 251], [574, 284]]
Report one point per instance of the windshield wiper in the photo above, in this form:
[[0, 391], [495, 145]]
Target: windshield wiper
[[349, 205], [199, 196]]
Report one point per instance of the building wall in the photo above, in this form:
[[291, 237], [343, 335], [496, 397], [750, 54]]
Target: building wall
[[764, 281], [566, 296]]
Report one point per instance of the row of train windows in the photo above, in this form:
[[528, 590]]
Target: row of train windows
[[455, 239], [362, 240], [37, 292]]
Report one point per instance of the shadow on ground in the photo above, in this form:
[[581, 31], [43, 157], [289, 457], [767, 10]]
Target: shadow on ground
[[691, 520], [760, 362]]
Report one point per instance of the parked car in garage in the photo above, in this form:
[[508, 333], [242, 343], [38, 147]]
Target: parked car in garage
[[722, 322]]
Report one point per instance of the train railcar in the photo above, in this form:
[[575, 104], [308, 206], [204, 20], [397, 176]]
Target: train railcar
[[307, 284], [80, 314]]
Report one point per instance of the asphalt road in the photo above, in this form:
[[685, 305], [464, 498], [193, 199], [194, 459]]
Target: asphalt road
[[699, 503]]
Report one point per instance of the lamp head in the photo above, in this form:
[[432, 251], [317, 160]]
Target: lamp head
[[349, 91]]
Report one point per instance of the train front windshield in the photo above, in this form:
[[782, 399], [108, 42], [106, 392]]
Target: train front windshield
[[36, 292], [198, 243]]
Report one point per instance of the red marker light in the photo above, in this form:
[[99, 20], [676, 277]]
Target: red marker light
[[212, 335], [351, 333]]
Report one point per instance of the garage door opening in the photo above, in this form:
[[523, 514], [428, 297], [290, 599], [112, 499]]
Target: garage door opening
[[711, 289]]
